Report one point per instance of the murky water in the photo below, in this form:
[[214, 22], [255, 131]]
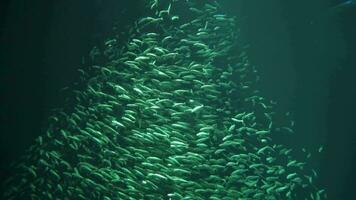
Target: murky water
[[177, 99]]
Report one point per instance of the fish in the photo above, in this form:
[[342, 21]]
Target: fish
[[175, 18], [166, 12], [231, 128], [292, 163], [196, 108], [157, 176], [282, 188], [292, 175], [321, 148], [336, 10], [263, 149], [349, 4]]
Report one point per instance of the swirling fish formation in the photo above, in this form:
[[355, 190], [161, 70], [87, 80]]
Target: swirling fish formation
[[171, 115]]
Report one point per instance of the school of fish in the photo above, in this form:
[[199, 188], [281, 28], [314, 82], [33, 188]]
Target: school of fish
[[174, 114]]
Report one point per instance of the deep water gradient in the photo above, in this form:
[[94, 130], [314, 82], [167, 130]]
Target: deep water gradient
[[25, 102]]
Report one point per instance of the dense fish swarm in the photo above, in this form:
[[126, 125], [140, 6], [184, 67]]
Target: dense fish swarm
[[172, 115]]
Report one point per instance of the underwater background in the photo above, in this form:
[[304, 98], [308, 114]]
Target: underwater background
[[303, 51]]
